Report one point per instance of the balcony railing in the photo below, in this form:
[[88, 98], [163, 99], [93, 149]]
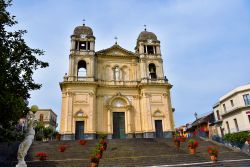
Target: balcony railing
[[116, 82]]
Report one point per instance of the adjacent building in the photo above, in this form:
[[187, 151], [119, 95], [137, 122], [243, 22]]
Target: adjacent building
[[115, 91], [232, 111], [203, 126], [47, 116]]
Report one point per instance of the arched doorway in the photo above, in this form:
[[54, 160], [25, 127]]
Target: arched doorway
[[118, 119], [158, 121]]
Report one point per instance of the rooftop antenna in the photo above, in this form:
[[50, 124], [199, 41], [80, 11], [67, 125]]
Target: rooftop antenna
[[116, 39], [83, 21], [145, 27]]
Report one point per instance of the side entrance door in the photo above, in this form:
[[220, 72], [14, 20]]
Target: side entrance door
[[158, 129], [118, 125], [79, 133]]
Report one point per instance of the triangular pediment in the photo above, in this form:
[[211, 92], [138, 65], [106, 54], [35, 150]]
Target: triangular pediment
[[115, 50]]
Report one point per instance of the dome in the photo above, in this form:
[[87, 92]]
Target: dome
[[145, 35], [83, 30]]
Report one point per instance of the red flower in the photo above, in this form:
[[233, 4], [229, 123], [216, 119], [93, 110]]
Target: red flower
[[192, 143], [212, 150], [62, 148], [196, 143], [99, 156], [82, 142], [41, 154]]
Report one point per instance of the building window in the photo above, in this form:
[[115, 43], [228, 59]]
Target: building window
[[228, 128], [150, 49], [82, 69], [236, 125], [249, 118], [218, 114], [232, 103], [224, 107], [82, 45], [145, 49], [41, 118], [152, 71], [246, 98]]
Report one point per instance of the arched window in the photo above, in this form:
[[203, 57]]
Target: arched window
[[152, 71], [82, 69], [116, 73], [41, 118]]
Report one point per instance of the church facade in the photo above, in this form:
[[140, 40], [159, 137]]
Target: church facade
[[114, 91]]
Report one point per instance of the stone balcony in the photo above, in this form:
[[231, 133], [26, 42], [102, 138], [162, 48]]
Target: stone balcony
[[114, 82]]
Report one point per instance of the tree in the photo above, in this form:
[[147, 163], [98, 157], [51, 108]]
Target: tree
[[17, 64]]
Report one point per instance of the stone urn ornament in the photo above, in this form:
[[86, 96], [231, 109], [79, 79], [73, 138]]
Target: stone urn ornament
[[29, 137]]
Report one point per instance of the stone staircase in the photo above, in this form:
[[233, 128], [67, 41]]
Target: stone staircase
[[132, 152]]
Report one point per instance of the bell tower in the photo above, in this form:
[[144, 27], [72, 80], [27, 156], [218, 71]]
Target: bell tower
[[82, 51], [151, 63]]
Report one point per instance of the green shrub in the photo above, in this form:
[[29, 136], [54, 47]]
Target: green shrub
[[237, 139], [48, 132]]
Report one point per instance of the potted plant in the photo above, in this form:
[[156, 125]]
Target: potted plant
[[192, 145], [177, 141], [41, 155], [213, 152], [182, 138], [94, 161], [98, 152], [82, 142], [62, 148], [103, 144]]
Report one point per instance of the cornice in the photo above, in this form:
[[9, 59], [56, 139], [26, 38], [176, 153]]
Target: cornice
[[98, 84]]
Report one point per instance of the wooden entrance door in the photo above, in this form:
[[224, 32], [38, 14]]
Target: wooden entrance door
[[158, 129], [119, 125], [79, 133]]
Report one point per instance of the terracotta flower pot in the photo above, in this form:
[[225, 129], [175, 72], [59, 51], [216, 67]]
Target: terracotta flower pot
[[213, 158], [94, 164], [192, 150], [177, 143]]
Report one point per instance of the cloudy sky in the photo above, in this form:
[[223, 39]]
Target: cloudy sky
[[205, 43]]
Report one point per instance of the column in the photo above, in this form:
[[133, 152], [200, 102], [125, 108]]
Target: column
[[129, 120], [109, 121]]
